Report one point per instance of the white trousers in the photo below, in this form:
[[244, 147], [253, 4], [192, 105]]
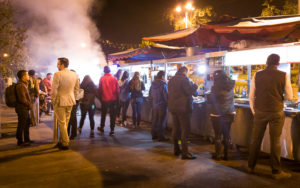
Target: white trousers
[[61, 117]]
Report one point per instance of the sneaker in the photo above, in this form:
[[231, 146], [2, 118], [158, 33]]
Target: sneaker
[[249, 170], [177, 152], [281, 175], [216, 157], [58, 145], [188, 156], [163, 139], [26, 143], [100, 129], [19, 143], [92, 134], [64, 148]]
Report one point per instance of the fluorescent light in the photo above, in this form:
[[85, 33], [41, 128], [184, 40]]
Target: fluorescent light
[[288, 54], [201, 69]]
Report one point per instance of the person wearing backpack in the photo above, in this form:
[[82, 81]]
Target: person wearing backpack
[[158, 98], [23, 106]]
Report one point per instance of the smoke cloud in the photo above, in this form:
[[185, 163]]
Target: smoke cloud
[[62, 28]]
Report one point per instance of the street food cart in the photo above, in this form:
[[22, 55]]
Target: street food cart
[[242, 65]]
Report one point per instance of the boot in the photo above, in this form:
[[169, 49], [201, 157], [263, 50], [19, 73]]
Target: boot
[[226, 147], [218, 148]]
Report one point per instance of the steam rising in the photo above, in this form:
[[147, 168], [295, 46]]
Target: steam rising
[[62, 28]]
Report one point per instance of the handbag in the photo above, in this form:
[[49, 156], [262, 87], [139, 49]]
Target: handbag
[[80, 94]]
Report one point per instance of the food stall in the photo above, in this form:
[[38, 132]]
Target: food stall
[[142, 60], [144, 68], [201, 64], [200, 69], [249, 33], [242, 65]]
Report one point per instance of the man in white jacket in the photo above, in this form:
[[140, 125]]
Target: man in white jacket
[[65, 88]]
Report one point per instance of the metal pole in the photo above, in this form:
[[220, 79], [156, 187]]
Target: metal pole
[[151, 68], [186, 19], [166, 67], [298, 6], [248, 78]]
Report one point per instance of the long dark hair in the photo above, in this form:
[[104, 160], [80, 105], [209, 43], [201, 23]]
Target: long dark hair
[[86, 81], [118, 74], [125, 76], [223, 81]]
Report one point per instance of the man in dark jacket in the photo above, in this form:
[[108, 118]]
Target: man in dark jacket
[[158, 98], [23, 106], [180, 104]]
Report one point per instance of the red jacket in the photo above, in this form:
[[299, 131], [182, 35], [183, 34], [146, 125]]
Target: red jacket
[[109, 88], [48, 85]]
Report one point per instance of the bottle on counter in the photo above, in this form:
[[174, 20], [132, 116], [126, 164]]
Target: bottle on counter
[[244, 93]]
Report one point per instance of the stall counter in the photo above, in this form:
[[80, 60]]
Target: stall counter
[[241, 131]]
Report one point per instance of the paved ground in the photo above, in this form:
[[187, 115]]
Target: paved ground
[[129, 159]]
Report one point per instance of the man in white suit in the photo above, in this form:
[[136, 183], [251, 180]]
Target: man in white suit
[[65, 88]]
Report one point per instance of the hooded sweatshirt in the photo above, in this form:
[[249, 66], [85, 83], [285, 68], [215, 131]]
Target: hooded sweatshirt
[[158, 95]]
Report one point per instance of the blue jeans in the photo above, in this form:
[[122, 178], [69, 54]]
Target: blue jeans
[[124, 107], [136, 104], [159, 120]]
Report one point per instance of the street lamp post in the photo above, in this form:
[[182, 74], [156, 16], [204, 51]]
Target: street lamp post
[[188, 7]]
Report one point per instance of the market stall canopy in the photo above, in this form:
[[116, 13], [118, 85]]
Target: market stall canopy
[[214, 34], [153, 52]]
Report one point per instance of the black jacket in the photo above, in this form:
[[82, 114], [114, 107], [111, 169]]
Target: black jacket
[[89, 94], [23, 96], [181, 90], [269, 88], [137, 93], [221, 98]]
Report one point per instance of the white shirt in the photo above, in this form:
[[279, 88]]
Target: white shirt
[[288, 91]]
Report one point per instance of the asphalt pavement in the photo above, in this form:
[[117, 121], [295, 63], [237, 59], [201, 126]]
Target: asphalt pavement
[[128, 159]]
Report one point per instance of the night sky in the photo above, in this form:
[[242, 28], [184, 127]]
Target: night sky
[[127, 21]]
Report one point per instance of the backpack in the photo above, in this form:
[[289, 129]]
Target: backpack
[[11, 96]]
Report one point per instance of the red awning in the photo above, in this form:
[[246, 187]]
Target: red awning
[[270, 29]]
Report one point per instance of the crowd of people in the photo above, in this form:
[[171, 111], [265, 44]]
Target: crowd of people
[[117, 92]]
